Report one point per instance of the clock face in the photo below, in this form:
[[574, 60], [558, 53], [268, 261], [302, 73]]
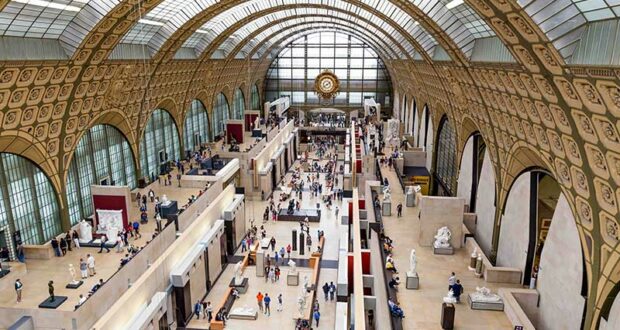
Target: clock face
[[326, 84]]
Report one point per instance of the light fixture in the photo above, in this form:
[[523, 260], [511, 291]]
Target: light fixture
[[149, 22], [454, 3], [202, 31], [49, 4]]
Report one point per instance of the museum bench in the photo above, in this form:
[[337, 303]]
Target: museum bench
[[226, 303]]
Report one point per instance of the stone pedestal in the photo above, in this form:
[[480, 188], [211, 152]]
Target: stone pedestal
[[413, 281], [243, 287], [292, 279], [472, 263], [443, 250], [387, 208], [74, 284], [485, 305], [410, 199], [53, 304], [260, 263]]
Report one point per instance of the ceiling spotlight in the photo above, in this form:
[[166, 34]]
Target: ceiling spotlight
[[149, 22]]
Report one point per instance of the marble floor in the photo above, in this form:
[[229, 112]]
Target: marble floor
[[422, 307], [35, 274]]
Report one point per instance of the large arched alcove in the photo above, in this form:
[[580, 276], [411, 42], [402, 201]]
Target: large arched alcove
[[444, 177], [28, 202], [220, 115], [425, 136], [196, 127], [159, 144], [238, 105], [103, 156], [538, 234], [255, 98], [415, 131]]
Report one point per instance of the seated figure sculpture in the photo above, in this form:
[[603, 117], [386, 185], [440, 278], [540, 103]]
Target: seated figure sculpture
[[442, 239], [484, 294]]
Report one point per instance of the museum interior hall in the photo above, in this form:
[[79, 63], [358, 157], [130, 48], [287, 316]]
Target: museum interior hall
[[310, 164]]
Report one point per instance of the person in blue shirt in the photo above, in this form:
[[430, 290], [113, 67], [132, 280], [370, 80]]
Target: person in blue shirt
[[267, 301], [197, 309], [317, 316]]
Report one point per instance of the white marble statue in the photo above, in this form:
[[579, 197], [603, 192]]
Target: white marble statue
[[301, 304], [306, 285], [449, 298], [86, 231], [257, 122], [475, 253], [387, 197], [484, 294], [442, 239], [72, 273], [293, 267], [413, 262], [238, 273], [164, 200]]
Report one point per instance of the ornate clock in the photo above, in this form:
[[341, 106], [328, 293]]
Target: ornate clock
[[326, 84]]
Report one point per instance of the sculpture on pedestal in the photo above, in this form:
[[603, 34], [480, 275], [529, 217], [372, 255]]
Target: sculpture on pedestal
[[164, 200], [72, 273], [442, 239], [238, 273], [293, 266], [257, 122], [449, 298], [50, 289], [475, 253], [484, 294], [306, 285], [86, 231], [413, 262], [387, 196]]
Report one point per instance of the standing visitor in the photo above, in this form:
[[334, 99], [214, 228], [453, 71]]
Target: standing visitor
[[83, 268], [451, 280], [102, 246], [259, 300], [267, 301], [288, 251], [76, 239], [243, 246], [280, 303], [282, 254], [332, 291], [399, 210], [209, 311], [197, 309], [317, 316], [151, 195], [18, 290], [326, 290], [56, 247], [457, 288], [90, 260]]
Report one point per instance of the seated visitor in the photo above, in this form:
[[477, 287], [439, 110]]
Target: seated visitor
[[96, 287], [125, 260], [395, 310], [394, 282], [389, 265], [235, 293]]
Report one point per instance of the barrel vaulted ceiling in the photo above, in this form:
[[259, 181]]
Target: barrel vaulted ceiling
[[539, 79]]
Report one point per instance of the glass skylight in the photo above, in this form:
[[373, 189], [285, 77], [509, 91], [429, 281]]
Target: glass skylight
[[286, 35], [564, 21], [304, 15], [66, 20], [221, 22]]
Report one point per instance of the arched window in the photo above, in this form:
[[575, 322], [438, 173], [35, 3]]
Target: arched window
[[196, 130], [220, 114], [445, 169], [28, 202], [255, 98], [238, 105], [360, 70], [103, 155], [159, 145]]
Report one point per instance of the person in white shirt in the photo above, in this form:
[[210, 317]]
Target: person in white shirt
[[80, 301], [91, 265], [451, 281]]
